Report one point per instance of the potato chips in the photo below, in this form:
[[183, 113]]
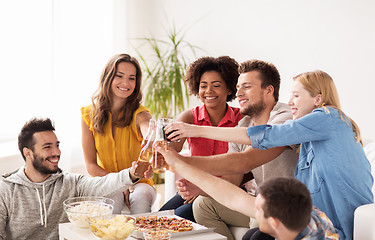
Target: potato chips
[[117, 228]]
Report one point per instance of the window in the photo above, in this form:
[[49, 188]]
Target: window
[[26, 62], [52, 54]]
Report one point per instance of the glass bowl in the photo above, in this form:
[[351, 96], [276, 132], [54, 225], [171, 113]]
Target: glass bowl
[[156, 234], [81, 209], [115, 227]]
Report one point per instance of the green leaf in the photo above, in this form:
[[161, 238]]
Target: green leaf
[[164, 88]]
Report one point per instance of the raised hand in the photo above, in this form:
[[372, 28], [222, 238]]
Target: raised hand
[[187, 190], [170, 156], [178, 130], [148, 173]]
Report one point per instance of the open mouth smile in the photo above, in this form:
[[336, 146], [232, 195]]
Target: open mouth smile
[[54, 159], [123, 89]]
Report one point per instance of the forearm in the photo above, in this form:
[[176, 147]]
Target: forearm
[[236, 200], [226, 134], [222, 164], [234, 162], [112, 182], [235, 179], [95, 170]]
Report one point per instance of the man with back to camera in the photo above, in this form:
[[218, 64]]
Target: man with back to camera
[[258, 94], [31, 198], [283, 206]]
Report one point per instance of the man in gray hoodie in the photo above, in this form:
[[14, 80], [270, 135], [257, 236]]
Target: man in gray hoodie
[[31, 198]]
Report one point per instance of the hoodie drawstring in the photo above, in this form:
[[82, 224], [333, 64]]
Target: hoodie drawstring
[[42, 221], [44, 207]]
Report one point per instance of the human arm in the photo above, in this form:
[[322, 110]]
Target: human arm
[[89, 152], [186, 117], [237, 200], [226, 134], [315, 126], [189, 191], [234, 162], [147, 174], [142, 122], [110, 183], [3, 217]]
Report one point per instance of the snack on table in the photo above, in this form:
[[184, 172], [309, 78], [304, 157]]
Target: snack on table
[[163, 223], [81, 209], [153, 234], [117, 228]]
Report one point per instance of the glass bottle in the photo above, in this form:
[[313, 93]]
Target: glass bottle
[[146, 150], [159, 164]]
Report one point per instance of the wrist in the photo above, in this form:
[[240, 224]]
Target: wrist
[[133, 177], [198, 131]]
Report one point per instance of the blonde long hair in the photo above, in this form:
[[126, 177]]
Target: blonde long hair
[[102, 98], [319, 82]]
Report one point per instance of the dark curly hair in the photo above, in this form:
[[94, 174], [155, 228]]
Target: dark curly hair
[[25, 137], [227, 68], [269, 74]]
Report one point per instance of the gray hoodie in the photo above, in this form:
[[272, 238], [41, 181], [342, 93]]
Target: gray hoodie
[[34, 210]]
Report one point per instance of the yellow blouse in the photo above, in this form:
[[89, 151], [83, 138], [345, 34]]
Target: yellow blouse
[[116, 153]]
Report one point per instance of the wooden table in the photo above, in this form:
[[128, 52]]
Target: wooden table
[[68, 231]]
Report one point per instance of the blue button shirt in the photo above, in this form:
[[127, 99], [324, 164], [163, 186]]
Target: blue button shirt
[[331, 163]]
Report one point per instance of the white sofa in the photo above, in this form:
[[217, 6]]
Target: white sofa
[[364, 216]]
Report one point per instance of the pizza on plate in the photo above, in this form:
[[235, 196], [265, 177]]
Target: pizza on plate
[[163, 223]]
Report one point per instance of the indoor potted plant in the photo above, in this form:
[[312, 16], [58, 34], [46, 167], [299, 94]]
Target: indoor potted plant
[[164, 71]]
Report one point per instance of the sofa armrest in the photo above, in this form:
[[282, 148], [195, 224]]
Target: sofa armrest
[[170, 185], [364, 220]]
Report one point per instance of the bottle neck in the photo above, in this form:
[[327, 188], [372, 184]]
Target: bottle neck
[[160, 134], [150, 131]]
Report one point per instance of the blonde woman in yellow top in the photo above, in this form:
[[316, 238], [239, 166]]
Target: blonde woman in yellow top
[[113, 127]]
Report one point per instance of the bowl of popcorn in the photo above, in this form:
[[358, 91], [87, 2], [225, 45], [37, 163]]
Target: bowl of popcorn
[[115, 227], [81, 209]]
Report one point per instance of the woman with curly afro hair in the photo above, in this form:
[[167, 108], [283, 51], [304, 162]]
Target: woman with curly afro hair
[[213, 81]]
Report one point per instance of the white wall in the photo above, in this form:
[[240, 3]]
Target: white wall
[[335, 36], [83, 43], [53, 53]]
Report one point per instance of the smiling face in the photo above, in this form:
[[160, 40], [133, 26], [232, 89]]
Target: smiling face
[[250, 94], [301, 101], [124, 82], [46, 152], [213, 91]]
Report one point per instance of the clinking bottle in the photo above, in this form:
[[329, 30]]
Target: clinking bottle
[[159, 164], [144, 159]]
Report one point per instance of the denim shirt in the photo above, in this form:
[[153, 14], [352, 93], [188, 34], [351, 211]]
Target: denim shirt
[[331, 163]]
